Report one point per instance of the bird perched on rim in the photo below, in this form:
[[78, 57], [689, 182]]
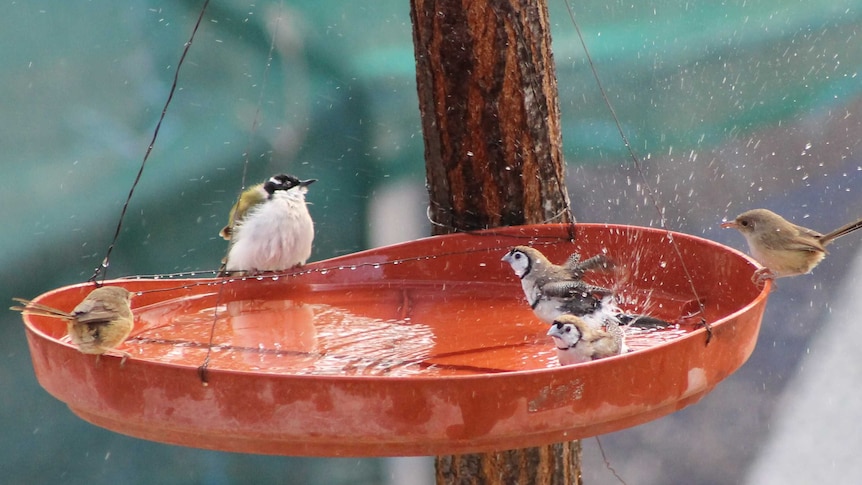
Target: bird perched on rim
[[269, 227], [553, 290], [97, 325], [577, 341], [783, 248]]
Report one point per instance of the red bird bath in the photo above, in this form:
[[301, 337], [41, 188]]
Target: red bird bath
[[422, 348]]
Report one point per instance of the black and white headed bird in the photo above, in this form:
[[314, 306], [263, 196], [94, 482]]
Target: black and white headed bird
[[553, 290], [577, 341], [269, 227]]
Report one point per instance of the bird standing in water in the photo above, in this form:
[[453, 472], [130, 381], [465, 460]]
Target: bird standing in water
[[269, 227], [553, 290], [577, 341]]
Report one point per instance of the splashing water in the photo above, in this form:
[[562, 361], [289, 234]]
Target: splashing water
[[427, 330]]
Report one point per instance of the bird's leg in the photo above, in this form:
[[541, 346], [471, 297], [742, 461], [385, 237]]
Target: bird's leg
[[116, 353], [761, 276]]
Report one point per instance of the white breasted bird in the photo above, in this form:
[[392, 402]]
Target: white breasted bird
[[553, 290], [269, 227], [577, 341], [97, 325]]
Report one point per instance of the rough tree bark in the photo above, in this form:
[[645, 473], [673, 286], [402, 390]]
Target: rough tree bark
[[490, 117]]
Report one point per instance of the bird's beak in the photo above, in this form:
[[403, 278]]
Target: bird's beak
[[505, 258], [554, 331], [306, 183], [728, 224]]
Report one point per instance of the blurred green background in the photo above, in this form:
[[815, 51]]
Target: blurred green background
[[731, 105]]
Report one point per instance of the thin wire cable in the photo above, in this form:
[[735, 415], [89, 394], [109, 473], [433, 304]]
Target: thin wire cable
[[637, 164], [255, 124], [103, 268], [202, 370], [607, 462]]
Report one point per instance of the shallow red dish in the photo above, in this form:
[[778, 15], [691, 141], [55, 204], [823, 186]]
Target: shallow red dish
[[422, 348]]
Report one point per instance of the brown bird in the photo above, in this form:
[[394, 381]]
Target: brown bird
[[783, 248], [577, 341], [98, 325]]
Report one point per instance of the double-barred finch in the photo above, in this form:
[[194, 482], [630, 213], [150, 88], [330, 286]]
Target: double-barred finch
[[97, 325], [269, 227], [553, 290], [783, 248], [577, 341]]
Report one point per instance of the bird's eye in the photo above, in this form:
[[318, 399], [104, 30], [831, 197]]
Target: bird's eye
[[518, 255], [568, 330], [743, 223]]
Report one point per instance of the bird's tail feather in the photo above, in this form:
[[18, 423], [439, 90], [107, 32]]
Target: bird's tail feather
[[39, 309], [642, 321], [841, 231]]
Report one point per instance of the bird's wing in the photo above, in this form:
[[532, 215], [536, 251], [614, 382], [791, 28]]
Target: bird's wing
[[601, 343], [226, 231], [605, 346], [571, 289], [598, 262], [563, 289], [803, 242], [102, 317], [573, 260], [246, 201], [642, 321], [97, 312]]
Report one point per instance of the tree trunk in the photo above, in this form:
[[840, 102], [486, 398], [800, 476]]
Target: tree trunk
[[548, 465], [490, 117]]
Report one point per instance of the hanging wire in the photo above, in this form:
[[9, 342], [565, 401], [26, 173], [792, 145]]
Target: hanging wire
[[607, 462], [102, 270], [202, 370], [650, 193], [534, 240]]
